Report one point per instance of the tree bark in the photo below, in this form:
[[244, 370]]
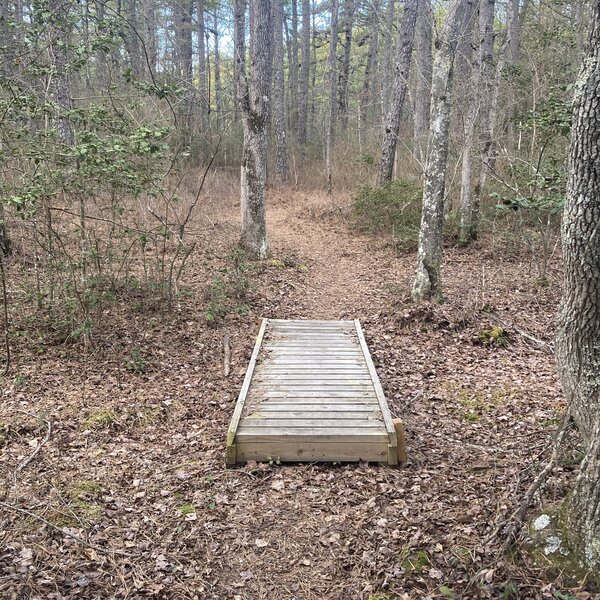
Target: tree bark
[[281, 164], [202, 71], [428, 282], [487, 11], [59, 32], [254, 99], [332, 66], [304, 74], [392, 125], [388, 56], [217, 67], [470, 73], [348, 21], [577, 341], [293, 67], [366, 93], [424, 62]]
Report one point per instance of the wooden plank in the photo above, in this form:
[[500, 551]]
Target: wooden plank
[[316, 322], [314, 395], [239, 406], [385, 411], [307, 451], [324, 434], [276, 412], [321, 425], [315, 378]]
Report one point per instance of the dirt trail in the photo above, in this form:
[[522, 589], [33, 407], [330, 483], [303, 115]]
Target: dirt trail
[[348, 271]]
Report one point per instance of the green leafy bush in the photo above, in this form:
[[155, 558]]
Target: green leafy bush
[[394, 208], [229, 290]]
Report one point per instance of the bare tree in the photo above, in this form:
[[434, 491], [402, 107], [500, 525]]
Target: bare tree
[[332, 66], [253, 99], [202, 71], [347, 24], [577, 346], [392, 125], [217, 67], [366, 92], [485, 90], [293, 66], [424, 61], [281, 164], [304, 79], [428, 282]]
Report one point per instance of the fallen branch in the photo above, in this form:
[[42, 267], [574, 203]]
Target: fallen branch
[[62, 530], [29, 458], [545, 345], [226, 355], [516, 520]]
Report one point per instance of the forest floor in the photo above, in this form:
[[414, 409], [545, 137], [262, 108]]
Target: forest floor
[[113, 458]]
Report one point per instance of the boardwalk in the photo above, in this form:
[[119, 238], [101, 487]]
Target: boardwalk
[[311, 393]]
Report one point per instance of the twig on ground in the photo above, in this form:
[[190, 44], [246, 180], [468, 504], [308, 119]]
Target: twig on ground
[[62, 530], [545, 345], [226, 355], [514, 524], [29, 458]]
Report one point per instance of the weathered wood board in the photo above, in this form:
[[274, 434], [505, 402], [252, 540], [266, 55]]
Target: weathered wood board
[[311, 393]]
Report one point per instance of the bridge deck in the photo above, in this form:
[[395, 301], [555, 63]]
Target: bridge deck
[[311, 393]]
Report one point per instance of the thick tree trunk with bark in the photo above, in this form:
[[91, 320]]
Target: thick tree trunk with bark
[[578, 337], [424, 62], [254, 99], [281, 164], [428, 282], [304, 78], [392, 125]]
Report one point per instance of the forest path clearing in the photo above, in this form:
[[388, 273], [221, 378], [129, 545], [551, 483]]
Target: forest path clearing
[[348, 271]]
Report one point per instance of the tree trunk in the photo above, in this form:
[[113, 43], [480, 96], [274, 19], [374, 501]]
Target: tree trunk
[[218, 87], [281, 164], [424, 62], [577, 347], [150, 29], [508, 56], [202, 71], [428, 283], [332, 66], [388, 56], [348, 21], [59, 33], [304, 74], [366, 93], [254, 98], [470, 74], [485, 90], [392, 125], [293, 67], [131, 39]]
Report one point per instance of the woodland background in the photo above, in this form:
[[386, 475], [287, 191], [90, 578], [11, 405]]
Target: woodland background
[[120, 146]]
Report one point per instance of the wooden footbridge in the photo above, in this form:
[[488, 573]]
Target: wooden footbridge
[[311, 393]]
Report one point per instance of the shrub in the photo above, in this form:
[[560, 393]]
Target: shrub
[[393, 208]]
